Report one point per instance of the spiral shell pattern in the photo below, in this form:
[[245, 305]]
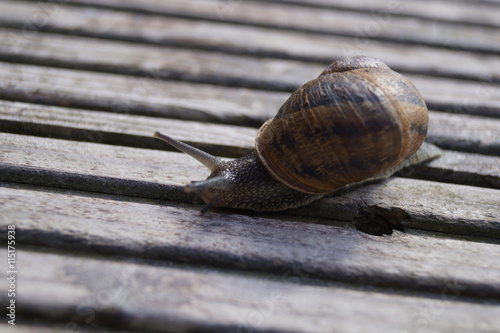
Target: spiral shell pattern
[[356, 120]]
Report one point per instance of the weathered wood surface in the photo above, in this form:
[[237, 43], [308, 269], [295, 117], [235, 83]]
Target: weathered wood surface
[[146, 96], [96, 203], [159, 175], [475, 13], [123, 129], [462, 168], [465, 133], [244, 39], [384, 25], [228, 302], [156, 63], [262, 244]]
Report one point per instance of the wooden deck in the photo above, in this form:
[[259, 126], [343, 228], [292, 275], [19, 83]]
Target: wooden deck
[[105, 238]]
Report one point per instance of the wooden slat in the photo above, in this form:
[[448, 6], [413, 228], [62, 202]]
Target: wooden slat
[[460, 96], [475, 98], [260, 244], [147, 96], [123, 129], [249, 40], [136, 295], [465, 133], [461, 168], [161, 62], [432, 206], [361, 25], [98, 167], [201, 102], [480, 13], [160, 175], [235, 141]]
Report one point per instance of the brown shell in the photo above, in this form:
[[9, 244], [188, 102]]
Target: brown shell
[[356, 120]]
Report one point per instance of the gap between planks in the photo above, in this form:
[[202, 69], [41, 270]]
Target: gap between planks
[[246, 40], [160, 175]]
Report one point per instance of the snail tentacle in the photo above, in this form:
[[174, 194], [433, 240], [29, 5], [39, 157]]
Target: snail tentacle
[[208, 160]]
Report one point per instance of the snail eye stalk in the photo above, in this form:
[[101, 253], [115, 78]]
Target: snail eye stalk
[[210, 161]]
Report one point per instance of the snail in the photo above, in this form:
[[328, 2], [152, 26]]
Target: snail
[[358, 121]]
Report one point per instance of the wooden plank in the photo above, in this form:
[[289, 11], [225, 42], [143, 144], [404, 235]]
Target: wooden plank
[[475, 13], [236, 141], [204, 102], [281, 245], [455, 96], [459, 96], [160, 62], [150, 298], [361, 25], [123, 129], [160, 175], [424, 205], [461, 168], [98, 167], [464, 133], [247, 40], [146, 96]]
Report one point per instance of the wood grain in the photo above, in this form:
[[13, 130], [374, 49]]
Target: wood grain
[[248, 40], [384, 25], [253, 243], [112, 294], [461, 168], [159, 63], [477, 13], [123, 129], [160, 175], [465, 133], [146, 96], [98, 167], [427, 205]]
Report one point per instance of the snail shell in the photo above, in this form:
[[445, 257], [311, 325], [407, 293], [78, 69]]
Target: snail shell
[[356, 120]]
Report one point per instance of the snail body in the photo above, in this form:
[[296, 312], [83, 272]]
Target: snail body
[[357, 121]]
